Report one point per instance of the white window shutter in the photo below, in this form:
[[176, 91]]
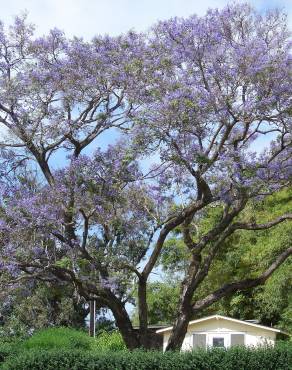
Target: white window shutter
[[199, 340], [237, 339]]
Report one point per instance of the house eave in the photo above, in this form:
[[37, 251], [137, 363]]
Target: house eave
[[220, 317]]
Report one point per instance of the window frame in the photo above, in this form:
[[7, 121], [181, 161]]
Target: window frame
[[218, 334]]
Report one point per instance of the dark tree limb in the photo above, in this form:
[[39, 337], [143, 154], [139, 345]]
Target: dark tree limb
[[263, 226], [168, 227], [231, 288]]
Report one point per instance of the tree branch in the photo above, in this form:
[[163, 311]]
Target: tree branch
[[231, 288], [168, 227], [263, 226]]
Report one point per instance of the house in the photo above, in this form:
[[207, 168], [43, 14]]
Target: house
[[222, 331]]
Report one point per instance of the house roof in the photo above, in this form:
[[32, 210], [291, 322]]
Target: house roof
[[219, 317], [152, 327]]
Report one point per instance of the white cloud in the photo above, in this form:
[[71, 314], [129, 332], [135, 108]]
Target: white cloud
[[90, 17]]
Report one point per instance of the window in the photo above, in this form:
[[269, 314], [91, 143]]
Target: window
[[218, 339], [218, 342]]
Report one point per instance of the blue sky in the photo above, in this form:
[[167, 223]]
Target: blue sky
[[90, 17]]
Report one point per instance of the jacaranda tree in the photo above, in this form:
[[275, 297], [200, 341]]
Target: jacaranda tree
[[208, 99]]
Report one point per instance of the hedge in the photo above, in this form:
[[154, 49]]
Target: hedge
[[237, 358]]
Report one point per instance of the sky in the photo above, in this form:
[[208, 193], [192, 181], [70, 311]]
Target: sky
[[88, 18]]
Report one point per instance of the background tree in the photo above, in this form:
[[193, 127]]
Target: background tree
[[162, 301], [241, 255], [25, 309], [199, 94]]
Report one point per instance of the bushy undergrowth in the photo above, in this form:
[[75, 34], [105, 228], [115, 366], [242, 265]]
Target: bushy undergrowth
[[109, 341], [62, 338], [267, 358], [9, 347], [67, 338]]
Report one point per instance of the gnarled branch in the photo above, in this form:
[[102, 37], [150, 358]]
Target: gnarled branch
[[231, 288]]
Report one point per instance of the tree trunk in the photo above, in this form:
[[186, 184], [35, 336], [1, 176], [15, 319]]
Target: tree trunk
[[123, 322], [179, 329], [185, 308], [143, 312]]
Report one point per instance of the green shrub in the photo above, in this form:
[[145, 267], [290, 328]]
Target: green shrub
[[238, 358], [61, 338], [109, 341]]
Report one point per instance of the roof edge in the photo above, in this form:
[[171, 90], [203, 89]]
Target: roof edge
[[218, 317]]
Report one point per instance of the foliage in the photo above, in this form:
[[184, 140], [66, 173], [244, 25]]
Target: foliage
[[34, 306], [64, 338], [109, 341], [242, 254], [104, 324], [162, 301], [61, 338], [232, 359], [9, 347]]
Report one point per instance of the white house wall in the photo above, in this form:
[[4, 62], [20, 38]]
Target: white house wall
[[253, 336]]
